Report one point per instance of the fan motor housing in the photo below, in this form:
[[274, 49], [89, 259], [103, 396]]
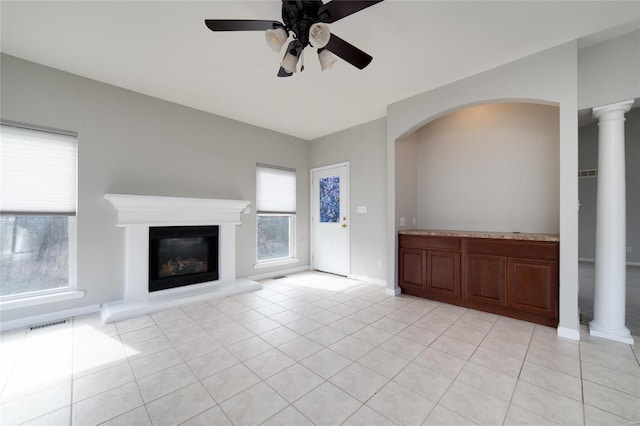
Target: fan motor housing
[[299, 15]]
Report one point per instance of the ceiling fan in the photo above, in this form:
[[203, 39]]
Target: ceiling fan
[[307, 20]]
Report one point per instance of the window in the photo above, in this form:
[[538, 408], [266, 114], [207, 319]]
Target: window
[[276, 213], [37, 211]]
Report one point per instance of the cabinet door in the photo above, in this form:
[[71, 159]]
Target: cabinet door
[[413, 268], [443, 273], [486, 279], [533, 286]]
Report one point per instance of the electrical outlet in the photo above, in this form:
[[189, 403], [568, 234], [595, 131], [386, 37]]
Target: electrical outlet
[[379, 263], [403, 221], [628, 249]]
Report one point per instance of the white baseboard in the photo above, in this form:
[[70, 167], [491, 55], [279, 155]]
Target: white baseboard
[[278, 273], [587, 260], [392, 291], [367, 279], [52, 316], [568, 333]]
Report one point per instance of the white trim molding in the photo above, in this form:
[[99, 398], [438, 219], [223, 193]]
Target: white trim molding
[[276, 263], [392, 291], [53, 316], [39, 299], [279, 273], [366, 279], [174, 211], [568, 333]]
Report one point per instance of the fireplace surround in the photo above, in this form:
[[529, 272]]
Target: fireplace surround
[[139, 215]]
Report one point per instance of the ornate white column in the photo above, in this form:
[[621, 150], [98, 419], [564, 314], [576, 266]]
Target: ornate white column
[[610, 268]]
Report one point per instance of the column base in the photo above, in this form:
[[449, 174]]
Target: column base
[[622, 335]]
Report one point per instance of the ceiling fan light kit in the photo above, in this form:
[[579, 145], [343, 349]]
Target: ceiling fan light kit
[[326, 59], [276, 38], [307, 20], [319, 35], [289, 63]]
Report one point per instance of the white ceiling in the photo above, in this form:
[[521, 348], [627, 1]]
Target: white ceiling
[[163, 49]]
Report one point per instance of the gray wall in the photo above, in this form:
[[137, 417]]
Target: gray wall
[[609, 71], [490, 167], [134, 144], [588, 159], [364, 147], [407, 181]]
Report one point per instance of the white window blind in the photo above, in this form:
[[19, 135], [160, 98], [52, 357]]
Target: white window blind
[[37, 172], [276, 190]]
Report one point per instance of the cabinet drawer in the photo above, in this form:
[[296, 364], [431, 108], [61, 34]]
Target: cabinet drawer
[[521, 249], [426, 242]]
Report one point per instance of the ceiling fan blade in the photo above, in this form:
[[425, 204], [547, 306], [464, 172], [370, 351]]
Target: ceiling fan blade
[[241, 25], [338, 9], [348, 52]]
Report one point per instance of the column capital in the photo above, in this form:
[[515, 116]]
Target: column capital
[[618, 107]]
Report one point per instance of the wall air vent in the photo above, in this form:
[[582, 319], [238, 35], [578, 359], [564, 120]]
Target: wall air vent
[[588, 173], [47, 324]]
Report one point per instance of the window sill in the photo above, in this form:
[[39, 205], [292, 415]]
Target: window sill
[[33, 300], [274, 263]]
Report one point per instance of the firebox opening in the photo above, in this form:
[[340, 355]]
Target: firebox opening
[[182, 255]]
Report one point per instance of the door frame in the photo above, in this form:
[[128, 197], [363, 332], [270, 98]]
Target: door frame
[[347, 209]]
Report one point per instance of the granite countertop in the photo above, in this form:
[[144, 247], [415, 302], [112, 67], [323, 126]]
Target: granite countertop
[[482, 234]]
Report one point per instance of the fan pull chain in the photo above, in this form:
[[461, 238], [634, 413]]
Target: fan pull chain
[[302, 61]]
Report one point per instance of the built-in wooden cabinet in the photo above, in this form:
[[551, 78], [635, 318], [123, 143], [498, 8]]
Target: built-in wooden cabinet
[[431, 265], [413, 268], [517, 278], [486, 280]]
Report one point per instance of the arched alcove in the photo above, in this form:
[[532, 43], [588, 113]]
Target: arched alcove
[[548, 77], [486, 167]]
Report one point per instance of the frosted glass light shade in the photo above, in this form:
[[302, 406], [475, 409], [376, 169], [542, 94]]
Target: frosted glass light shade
[[289, 62], [276, 38], [319, 35], [326, 59]]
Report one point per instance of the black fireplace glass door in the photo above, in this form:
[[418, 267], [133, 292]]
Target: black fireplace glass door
[[182, 255]]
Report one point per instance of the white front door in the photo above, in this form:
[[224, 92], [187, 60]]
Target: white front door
[[329, 219]]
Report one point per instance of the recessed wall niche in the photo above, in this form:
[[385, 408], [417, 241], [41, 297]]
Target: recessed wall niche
[[492, 167]]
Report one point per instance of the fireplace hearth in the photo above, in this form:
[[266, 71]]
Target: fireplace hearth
[[182, 255]]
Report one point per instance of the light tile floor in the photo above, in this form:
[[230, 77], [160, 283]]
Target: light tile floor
[[314, 348]]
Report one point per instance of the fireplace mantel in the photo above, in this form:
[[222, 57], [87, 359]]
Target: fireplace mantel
[[174, 211], [136, 214]]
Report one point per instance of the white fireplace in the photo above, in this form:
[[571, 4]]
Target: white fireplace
[[136, 214]]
